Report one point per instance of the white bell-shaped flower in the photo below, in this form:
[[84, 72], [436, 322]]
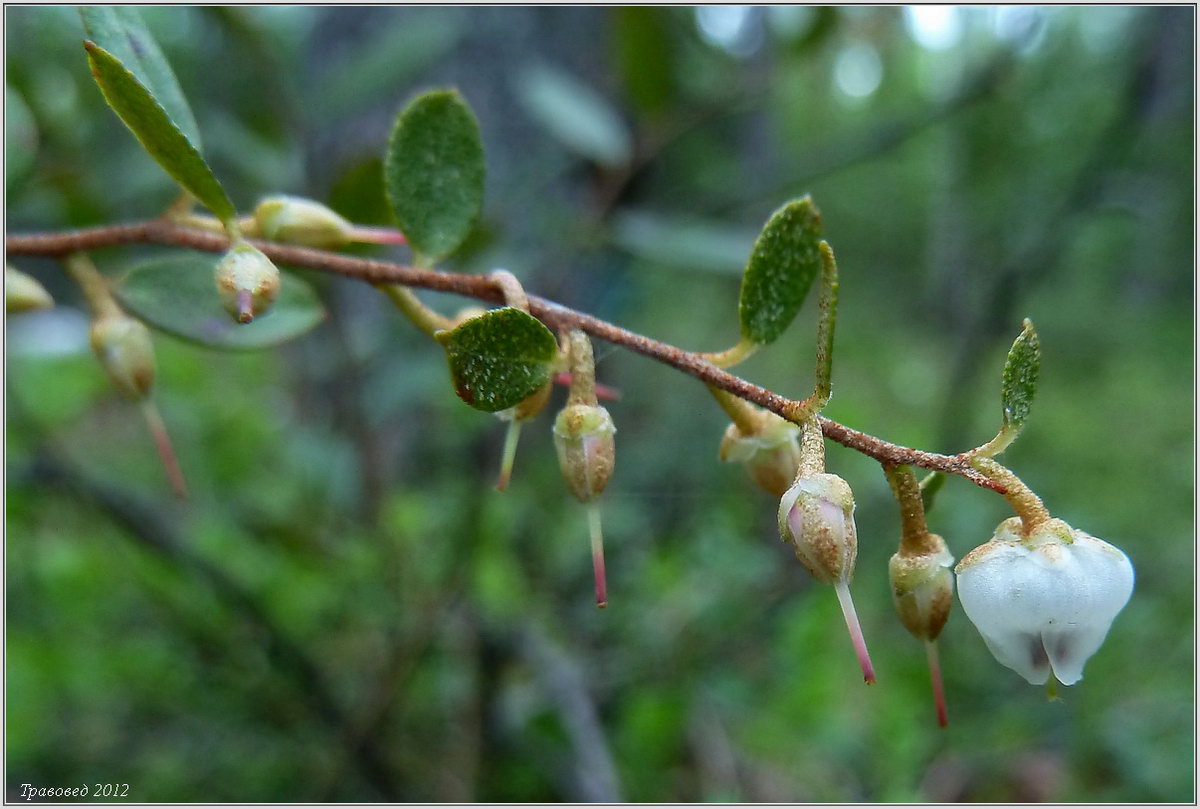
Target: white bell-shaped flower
[[1044, 602]]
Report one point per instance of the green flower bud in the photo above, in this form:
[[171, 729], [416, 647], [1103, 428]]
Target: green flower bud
[[126, 352], [771, 453], [301, 221], [583, 437], [247, 282], [923, 587], [23, 293]]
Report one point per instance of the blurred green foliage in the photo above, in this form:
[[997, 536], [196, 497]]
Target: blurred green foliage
[[346, 609]]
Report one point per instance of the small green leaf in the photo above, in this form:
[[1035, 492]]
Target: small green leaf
[[1019, 380], [158, 134], [498, 358], [434, 173], [781, 269], [575, 115], [121, 32], [176, 295]]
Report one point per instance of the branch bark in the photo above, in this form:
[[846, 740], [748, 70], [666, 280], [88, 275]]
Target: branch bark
[[160, 231]]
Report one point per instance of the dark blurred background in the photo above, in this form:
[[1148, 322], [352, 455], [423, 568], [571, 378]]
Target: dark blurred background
[[347, 610]]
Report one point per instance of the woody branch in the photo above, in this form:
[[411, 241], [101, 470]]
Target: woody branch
[[482, 287]]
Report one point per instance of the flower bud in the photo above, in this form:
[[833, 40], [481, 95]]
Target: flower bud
[[771, 454], [1044, 602], [23, 293], [923, 587], [247, 282], [583, 437], [301, 221], [816, 515], [126, 352]]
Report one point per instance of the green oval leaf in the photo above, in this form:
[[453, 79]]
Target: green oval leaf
[[121, 31], [498, 358], [154, 129], [575, 115], [1018, 383], [176, 295], [781, 269], [434, 173]]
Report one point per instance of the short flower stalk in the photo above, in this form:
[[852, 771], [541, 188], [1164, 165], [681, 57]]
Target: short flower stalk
[[125, 351], [919, 572], [583, 439], [816, 517]]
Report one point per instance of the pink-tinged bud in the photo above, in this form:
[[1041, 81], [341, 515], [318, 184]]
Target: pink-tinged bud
[[126, 352], [923, 587], [583, 437], [23, 293], [295, 220], [247, 282], [771, 453], [816, 515], [1044, 602]]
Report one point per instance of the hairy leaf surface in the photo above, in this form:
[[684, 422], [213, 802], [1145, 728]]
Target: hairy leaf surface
[[781, 269], [434, 173], [499, 358], [154, 129]]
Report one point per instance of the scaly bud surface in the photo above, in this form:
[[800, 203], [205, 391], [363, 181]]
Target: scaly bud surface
[[247, 282], [923, 588], [816, 515], [1044, 602]]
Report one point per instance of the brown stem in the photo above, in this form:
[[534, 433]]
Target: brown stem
[[812, 450], [914, 532], [583, 370], [484, 288], [1029, 506]]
